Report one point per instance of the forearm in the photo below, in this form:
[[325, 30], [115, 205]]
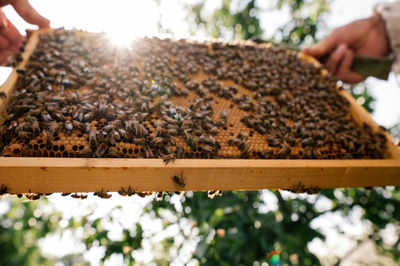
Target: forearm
[[390, 12]]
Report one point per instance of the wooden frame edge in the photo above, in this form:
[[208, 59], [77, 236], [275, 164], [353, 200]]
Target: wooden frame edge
[[48, 175]]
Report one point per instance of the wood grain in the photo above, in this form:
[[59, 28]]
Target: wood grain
[[46, 175]]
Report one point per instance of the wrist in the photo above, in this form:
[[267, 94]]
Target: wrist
[[379, 26]]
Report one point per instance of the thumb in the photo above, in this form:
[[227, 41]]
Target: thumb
[[323, 47], [29, 14], [3, 20]]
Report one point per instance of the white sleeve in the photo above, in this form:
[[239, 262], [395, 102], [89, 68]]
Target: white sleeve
[[390, 13]]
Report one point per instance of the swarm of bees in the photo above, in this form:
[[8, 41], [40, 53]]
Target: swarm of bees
[[79, 96], [32, 196]]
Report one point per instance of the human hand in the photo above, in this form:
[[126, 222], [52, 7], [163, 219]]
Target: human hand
[[364, 37], [10, 38]]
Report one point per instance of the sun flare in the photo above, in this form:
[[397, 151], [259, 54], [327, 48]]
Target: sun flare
[[129, 20], [120, 38]]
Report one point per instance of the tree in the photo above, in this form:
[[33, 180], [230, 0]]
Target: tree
[[21, 226]]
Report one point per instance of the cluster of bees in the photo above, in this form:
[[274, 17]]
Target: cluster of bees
[[80, 96], [179, 180]]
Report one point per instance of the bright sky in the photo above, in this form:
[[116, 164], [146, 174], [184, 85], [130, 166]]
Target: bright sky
[[123, 20]]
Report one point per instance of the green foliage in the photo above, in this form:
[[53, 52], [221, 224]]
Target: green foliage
[[379, 207], [242, 23], [240, 20], [362, 96], [233, 231], [305, 20], [97, 235], [20, 229]]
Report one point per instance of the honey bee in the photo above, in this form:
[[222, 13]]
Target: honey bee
[[180, 152], [207, 148], [18, 58], [88, 116], [87, 153], [160, 195], [274, 142], [21, 71], [148, 152], [231, 142], [79, 196], [3, 189], [260, 129], [92, 138], [113, 152], [108, 128], [54, 127], [144, 194], [25, 135], [126, 192], [312, 190], [212, 193], [157, 141], [210, 140], [21, 127], [101, 150], [102, 194], [33, 196], [214, 131], [284, 152], [46, 116], [172, 131], [3, 95], [122, 133], [78, 125], [179, 180], [35, 127], [299, 188], [248, 121], [169, 158]]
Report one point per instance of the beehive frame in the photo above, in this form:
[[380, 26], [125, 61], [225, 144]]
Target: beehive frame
[[48, 175]]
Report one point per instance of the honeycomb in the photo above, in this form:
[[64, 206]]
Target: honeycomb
[[81, 96]]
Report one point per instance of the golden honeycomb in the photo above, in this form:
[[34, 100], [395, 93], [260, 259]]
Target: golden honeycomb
[[81, 96]]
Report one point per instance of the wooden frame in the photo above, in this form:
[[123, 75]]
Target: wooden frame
[[47, 175]]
